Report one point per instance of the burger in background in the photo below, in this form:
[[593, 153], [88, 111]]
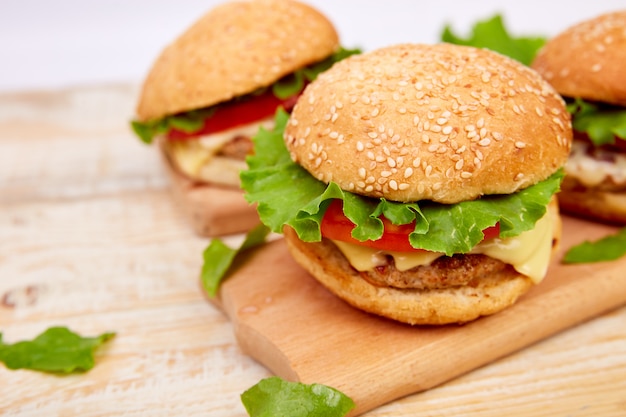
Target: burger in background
[[417, 182], [586, 65], [212, 88]]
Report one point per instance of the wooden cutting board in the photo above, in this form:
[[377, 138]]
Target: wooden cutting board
[[288, 322]]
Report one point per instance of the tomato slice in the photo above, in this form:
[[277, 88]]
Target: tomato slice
[[238, 113], [335, 225]]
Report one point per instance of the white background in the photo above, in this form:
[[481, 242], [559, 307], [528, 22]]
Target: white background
[[57, 43]]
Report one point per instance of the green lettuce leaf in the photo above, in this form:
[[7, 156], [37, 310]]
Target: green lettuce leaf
[[57, 350], [294, 83], [188, 122], [288, 195], [609, 248], [603, 124], [492, 34], [275, 397], [218, 258], [193, 120]]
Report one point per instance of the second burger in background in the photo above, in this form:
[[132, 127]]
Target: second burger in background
[[212, 88], [587, 65], [417, 182]]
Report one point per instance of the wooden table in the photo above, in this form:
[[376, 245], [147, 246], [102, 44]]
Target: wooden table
[[90, 239]]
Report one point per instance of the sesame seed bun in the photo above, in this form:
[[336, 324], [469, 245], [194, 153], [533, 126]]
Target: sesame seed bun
[[234, 49], [442, 122], [459, 304], [587, 60]]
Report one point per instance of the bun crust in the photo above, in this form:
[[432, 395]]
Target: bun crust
[[440, 122], [436, 306], [234, 49], [593, 204], [587, 60]]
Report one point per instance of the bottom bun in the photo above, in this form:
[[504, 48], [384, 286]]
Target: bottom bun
[[601, 206], [212, 210], [436, 306]]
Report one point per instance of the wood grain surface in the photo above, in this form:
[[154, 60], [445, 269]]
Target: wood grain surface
[[90, 238]]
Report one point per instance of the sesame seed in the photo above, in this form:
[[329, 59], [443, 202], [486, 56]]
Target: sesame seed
[[372, 135], [480, 123], [391, 162], [466, 174], [370, 155], [362, 172], [393, 185], [520, 144], [408, 172], [359, 146], [459, 164], [425, 138]]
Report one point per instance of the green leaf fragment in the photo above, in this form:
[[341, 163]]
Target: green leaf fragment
[[609, 248], [218, 258], [57, 350], [492, 34], [275, 397]]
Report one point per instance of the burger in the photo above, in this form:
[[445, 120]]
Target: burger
[[585, 64], [212, 88], [417, 182]]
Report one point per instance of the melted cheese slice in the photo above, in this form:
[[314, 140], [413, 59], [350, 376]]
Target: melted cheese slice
[[197, 158], [529, 253]]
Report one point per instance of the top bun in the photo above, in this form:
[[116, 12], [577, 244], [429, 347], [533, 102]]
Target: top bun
[[587, 60], [443, 122], [234, 49]]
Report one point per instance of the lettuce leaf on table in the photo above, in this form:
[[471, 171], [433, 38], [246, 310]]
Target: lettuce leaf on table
[[608, 248], [288, 195], [57, 350], [275, 397], [218, 258], [492, 34]]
